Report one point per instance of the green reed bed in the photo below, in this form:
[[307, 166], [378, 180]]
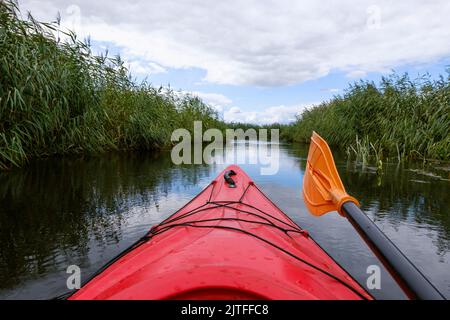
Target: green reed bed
[[57, 97], [398, 118]]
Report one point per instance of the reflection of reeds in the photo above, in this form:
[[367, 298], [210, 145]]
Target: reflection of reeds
[[365, 151], [58, 211], [56, 97], [399, 118]]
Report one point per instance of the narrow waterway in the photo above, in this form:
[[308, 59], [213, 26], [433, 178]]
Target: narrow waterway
[[62, 212]]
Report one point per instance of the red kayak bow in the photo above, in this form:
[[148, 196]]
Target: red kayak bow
[[229, 242]]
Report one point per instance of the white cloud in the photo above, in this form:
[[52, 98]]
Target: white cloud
[[265, 43], [234, 110], [278, 114], [144, 68], [216, 100], [330, 90]]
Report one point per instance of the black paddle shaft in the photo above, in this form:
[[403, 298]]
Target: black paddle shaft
[[410, 279]]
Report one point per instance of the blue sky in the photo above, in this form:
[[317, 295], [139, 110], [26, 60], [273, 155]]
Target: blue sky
[[251, 98], [262, 61]]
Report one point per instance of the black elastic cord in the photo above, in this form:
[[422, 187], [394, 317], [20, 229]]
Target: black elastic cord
[[243, 193], [190, 224], [216, 205], [164, 228], [168, 224]]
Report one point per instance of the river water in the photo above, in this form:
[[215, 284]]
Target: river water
[[60, 212]]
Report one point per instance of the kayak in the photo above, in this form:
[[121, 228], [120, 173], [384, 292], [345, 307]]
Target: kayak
[[229, 242]]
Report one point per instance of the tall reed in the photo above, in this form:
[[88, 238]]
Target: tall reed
[[398, 118], [57, 97]]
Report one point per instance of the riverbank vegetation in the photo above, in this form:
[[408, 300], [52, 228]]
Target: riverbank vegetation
[[57, 97], [398, 118]]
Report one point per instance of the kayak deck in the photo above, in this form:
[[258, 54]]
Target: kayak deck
[[226, 243]]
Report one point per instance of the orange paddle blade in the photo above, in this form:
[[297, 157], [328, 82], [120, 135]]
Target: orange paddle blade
[[323, 190]]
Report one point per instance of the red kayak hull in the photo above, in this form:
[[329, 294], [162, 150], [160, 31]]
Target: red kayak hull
[[227, 243]]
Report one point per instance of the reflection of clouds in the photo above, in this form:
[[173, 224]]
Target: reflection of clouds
[[122, 196], [88, 212], [146, 215], [265, 155]]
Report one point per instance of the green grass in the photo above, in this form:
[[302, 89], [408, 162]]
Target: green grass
[[57, 97], [398, 118]]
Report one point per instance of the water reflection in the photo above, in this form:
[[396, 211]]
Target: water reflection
[[398, 197], [61, 212], [85, 211]]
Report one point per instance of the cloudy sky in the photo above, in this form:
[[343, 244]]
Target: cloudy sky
[[262, 61]]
